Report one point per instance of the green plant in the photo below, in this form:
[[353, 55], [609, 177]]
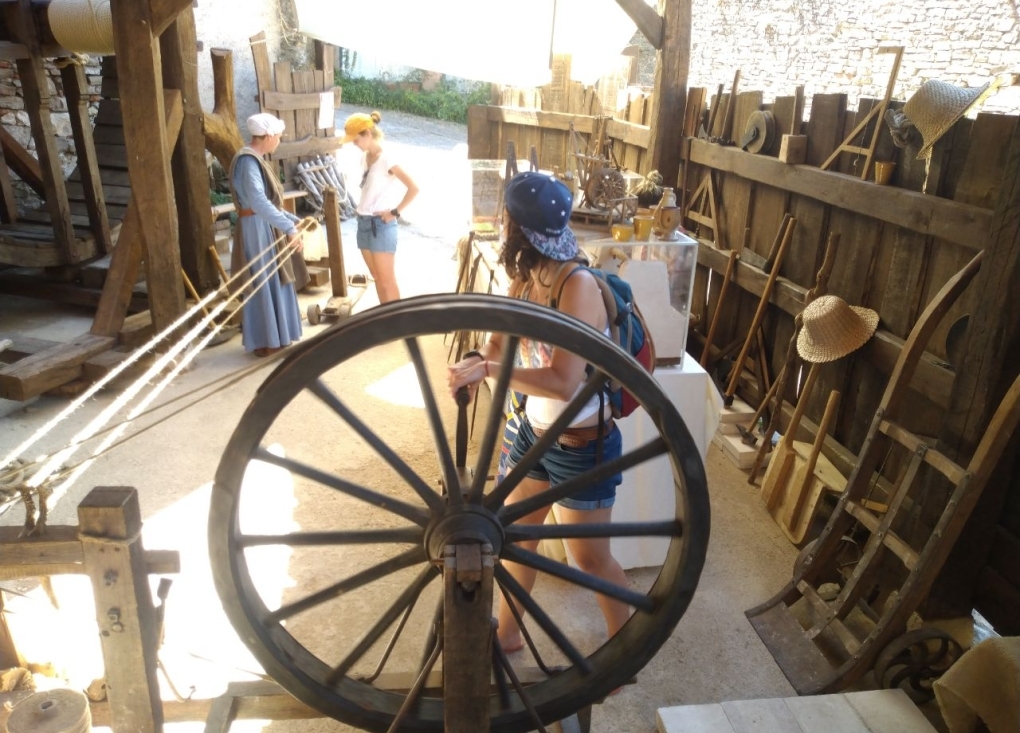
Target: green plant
[[446, 102]]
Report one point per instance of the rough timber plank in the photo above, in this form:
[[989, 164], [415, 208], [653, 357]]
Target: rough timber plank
[[825, 128], [190, 177], [35, 90], [925, 214], [145, 113], [76, 92], [33, 375]]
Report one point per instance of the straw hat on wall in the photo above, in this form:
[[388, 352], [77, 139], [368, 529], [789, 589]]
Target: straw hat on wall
[[832, 329], [937, 106]]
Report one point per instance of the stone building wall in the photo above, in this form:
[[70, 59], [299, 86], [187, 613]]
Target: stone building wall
[[15, 119], [829, 46]]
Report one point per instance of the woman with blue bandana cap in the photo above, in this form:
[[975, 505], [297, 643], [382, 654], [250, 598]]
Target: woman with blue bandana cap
[[538, 248]]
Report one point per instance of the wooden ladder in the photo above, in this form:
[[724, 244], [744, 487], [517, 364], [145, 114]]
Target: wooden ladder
[[824, 644]]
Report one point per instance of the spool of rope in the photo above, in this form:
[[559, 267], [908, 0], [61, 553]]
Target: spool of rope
[[53, 711], [83, 26]]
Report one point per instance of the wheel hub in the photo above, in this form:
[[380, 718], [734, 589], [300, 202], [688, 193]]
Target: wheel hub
[[464, 523]]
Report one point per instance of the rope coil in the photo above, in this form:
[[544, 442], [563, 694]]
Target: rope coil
[[83, 26]]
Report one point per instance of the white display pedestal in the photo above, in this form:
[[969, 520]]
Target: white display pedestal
[[647, 492]]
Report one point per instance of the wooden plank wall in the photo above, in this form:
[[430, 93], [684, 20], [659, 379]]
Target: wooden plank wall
[[568, 101]]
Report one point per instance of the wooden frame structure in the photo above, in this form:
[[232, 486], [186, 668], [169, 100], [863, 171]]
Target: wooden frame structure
[[147, 153]]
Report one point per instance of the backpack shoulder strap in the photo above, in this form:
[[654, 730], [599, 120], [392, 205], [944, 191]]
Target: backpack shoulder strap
[[560, 277]]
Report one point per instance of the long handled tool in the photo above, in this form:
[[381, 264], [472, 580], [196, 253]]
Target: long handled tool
[[782, 463], [706, 355], [785, 234], [821, 285]]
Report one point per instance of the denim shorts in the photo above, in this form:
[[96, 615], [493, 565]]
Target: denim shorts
[[561, 463], [375, 235]]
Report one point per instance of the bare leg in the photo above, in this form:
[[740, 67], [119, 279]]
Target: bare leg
[[508, 632], [385, 276], [593, 556], [369, 258]]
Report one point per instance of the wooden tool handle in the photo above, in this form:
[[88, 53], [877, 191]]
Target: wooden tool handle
[[822, 276], [789, 224], [707, 353], [812, 461]]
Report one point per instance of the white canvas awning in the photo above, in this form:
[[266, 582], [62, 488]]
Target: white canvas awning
[[502, 41]]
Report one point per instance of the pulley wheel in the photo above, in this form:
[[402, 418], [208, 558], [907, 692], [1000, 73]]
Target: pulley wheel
[[325, 557], [913, 661], [760, 132]]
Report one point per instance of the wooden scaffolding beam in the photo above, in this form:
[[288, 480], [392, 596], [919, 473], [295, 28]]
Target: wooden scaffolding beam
[[191, 180], [145, 136], [670, 94]]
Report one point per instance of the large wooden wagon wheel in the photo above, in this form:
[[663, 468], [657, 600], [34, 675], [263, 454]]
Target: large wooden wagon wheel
[[408, 527]]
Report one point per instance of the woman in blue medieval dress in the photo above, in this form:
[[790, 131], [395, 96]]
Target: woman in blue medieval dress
[[271, 318]]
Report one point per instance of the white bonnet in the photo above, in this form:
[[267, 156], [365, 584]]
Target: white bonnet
[[265, 124]]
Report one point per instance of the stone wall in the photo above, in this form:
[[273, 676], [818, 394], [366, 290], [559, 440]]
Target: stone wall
[[830, 46]]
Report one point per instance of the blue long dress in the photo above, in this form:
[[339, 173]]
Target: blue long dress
[[271, 317]]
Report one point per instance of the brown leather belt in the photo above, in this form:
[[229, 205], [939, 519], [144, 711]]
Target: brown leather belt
[[578, 437], [246, 212]]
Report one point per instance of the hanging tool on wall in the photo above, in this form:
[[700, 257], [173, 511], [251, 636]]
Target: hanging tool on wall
[[877, 113]]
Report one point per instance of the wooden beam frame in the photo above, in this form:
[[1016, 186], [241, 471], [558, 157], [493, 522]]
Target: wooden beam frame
[[35, 89], [76, 92], [22, 162], [179, 50], [165, 12], [647, 20], [144, 113], [126, 261], [669, 98]]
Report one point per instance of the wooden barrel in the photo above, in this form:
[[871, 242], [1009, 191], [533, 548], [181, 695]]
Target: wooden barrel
[[53, 711]]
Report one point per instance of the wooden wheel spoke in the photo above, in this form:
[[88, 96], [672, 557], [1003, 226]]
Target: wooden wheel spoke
[[398, 507], [416, 688], [549, 626], [578, 577], [513, 512], [398, 535], [394, 638], [369, 575], [596, 381], [416, 482], [407, 597], [525, 532], [446, 462], [507, 668], [492, 435]]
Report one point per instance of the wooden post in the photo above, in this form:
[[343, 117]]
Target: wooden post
[[670, 93], [334, 243], [34, 86], [76, 91], [140, 82], [222, 135], [190, 176], [110, 523], [993, 337]]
